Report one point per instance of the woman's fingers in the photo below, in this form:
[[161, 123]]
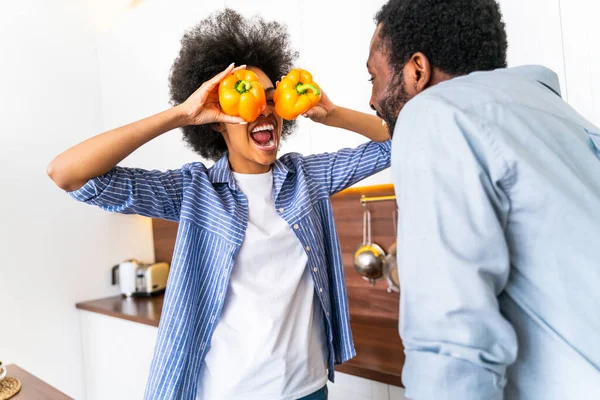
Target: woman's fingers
[[228, 119]]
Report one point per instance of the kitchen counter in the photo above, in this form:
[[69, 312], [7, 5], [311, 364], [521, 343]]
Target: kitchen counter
[[378, 358], [33, 387], [145, 310]]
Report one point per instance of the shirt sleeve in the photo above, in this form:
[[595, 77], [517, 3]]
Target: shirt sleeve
[[153, 194], [342, 169], [452, 254]]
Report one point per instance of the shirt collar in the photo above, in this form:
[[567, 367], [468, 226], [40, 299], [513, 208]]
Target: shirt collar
[[280, 173], [220, 171], [538, 73]]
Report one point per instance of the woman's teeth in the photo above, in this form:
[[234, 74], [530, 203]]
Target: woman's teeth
[[263, 127]]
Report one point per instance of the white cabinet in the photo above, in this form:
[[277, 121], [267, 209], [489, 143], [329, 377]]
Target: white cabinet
[[117, 354], [349, 387], [397, 393]]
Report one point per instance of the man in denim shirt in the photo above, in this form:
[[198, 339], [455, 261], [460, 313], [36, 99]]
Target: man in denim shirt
[[498, 184]]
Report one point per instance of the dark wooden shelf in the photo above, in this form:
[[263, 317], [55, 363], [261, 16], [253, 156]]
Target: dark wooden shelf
[[379, 351], [145, 310]]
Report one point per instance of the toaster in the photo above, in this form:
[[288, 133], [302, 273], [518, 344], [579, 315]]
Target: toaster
[[151, 279]]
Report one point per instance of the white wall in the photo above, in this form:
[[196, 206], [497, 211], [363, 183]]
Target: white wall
[[581, 38], [54, 252], [534, 34], [562, 35]]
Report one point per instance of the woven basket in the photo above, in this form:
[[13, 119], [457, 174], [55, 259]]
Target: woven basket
[[9, 387]]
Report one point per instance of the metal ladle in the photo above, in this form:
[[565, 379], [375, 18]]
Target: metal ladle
[[369, 257]]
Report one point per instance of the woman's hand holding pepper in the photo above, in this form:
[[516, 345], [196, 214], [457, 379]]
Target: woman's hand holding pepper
[[322, 110], [202, 107], [368, 125]]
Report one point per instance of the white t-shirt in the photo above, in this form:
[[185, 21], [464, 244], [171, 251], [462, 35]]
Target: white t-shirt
[[269, 342]]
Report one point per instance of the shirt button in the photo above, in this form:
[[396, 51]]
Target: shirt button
[[327, 314], [296, 226], [281, 210], [315, 269], [321, 289], [307, 248]]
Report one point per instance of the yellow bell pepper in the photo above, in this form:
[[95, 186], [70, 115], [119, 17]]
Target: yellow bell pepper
[[296, 93], [241, 95]]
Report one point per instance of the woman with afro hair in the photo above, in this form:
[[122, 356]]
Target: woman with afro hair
[[256, 304]]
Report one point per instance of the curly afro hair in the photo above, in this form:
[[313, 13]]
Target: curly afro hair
[[207, 49], [457, 36]]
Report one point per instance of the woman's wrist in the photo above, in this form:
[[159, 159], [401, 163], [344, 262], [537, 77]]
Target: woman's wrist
[[181, 115], [364, 124], [334, 117]]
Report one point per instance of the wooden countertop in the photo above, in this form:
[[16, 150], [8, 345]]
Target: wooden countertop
[[145, 310], [33, 387], [378, 358]]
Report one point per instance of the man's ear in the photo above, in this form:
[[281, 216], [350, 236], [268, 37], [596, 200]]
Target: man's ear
[[417, 73]]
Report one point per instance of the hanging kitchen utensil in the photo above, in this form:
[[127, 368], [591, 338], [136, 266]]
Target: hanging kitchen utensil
[[369, 257], [390, 266]]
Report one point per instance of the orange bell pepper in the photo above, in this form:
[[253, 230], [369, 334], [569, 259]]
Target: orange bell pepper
[[240, 94], [296, 94]]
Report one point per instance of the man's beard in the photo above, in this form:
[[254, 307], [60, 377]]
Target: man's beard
[[393, 101]]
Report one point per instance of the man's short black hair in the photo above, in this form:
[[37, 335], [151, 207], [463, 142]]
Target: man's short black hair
[[457, 36], [207, 49]]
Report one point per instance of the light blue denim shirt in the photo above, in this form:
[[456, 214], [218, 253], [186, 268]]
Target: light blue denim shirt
[[498, 184]]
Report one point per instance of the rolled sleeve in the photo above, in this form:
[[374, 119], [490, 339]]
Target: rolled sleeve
[[153, 194], [342, 169], [91, 190], [449, 378]]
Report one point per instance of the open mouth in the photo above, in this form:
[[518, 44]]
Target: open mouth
[[263, 135]]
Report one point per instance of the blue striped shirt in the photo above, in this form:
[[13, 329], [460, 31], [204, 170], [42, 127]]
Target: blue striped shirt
[[213, 214]]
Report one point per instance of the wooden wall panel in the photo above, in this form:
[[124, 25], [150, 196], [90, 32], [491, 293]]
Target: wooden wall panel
[[164, 233], [365, 301]]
